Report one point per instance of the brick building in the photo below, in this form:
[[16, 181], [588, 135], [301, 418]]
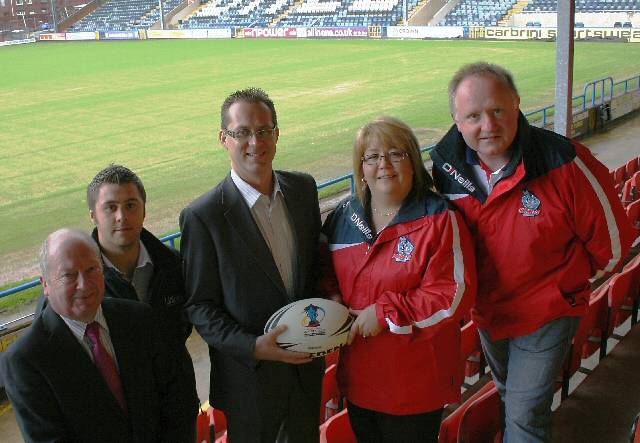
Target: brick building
[[33, 15]]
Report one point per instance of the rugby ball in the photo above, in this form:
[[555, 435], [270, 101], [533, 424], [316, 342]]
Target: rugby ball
[[314, 325]]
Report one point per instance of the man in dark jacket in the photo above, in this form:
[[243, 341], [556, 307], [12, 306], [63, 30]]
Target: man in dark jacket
[[92, 369], [138, 266]]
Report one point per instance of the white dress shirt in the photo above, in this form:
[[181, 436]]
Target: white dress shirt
[[271, 215], [78, 329]]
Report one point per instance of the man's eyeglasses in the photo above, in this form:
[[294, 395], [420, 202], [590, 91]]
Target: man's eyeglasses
[[245, 134], [392, 156]]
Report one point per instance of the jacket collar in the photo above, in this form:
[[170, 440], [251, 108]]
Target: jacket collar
[[411, 209]]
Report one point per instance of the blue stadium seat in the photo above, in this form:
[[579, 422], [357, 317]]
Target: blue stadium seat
[[478, 13]]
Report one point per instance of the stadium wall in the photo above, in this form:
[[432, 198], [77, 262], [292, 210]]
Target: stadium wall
[[409, 32]]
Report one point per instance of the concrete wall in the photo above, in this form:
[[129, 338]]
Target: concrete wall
[[427, 12]]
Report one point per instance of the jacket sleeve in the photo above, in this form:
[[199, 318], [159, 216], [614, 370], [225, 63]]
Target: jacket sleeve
[[205, 298], [447, 289], [600, 220], [35, 406]]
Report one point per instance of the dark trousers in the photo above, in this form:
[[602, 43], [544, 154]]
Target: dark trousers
[[284, 416], [377, 427]]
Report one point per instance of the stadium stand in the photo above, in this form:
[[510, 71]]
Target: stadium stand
[[586, 6], [124, 15], [478, 13], [288, 13], [240, 13]]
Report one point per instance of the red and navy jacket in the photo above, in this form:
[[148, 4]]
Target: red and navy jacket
[[549, 223], [420, 273]]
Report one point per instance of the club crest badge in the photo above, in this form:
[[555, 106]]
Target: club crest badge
[[530, 204], [313, 316], [404, 249]]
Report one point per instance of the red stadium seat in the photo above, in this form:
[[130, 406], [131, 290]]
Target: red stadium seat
[[203, 428], [633, 214], [590, 326], [634, 268], [471, 356], [482, 421], [635, 186], [620, 175], [631, 167], [451, 424], [213, 420], [635, 179], [635, 430], [630, 190], [331, 401], [337, 429], [627, 195], [619, 304]]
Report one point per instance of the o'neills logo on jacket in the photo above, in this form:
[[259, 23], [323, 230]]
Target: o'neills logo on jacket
[[465, 182], [361, 225]]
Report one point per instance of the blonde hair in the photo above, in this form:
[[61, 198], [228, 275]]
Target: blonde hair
[[389, 132]]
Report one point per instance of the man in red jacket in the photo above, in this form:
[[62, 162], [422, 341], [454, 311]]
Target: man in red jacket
[[545, 219]]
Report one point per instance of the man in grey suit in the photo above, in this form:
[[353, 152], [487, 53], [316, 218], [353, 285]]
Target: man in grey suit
[[250, 246], [91, 369]]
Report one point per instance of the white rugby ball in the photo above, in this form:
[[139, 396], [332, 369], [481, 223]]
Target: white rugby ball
[[314, 325]]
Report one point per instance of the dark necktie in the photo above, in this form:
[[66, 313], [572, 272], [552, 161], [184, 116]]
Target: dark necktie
[[105, 363]]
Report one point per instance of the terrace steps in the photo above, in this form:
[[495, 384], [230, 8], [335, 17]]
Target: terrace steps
[[517, 9], [415, 10], [285, 13]]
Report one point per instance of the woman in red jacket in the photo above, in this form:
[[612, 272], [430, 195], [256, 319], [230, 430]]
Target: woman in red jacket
[[402, 260]]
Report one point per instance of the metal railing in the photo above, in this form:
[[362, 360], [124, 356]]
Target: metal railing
[[597, 97]]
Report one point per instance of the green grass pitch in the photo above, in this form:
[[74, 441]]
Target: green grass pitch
[[69, 109]]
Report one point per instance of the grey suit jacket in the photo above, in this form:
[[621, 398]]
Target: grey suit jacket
[[233, 286], [58, 394]]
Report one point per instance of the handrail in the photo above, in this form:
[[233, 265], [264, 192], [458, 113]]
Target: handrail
[[171, 238], [594, 95]]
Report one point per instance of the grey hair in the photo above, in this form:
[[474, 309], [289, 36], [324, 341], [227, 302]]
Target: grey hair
[[479, 69], [69, 233]]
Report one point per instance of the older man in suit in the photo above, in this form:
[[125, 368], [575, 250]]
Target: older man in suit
[[91, 369], [250, 247]]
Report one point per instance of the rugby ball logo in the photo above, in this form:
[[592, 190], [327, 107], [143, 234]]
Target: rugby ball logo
[[314, 325]]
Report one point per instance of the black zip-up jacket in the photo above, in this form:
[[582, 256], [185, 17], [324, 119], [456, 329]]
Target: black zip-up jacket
[[166, 297]]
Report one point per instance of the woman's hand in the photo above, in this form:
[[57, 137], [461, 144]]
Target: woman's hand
[[365, 324]]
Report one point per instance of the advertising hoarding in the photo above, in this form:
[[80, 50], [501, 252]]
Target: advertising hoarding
[[420, 32]]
